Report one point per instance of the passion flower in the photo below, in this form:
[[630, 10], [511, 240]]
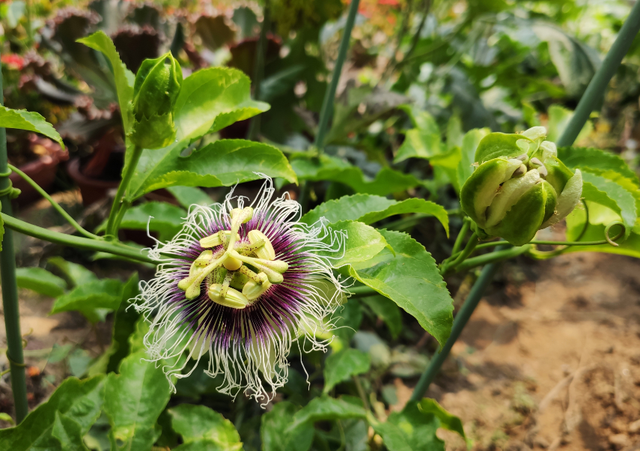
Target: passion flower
[[241, 284]]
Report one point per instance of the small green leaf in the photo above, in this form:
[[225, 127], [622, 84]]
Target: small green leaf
[[6, 417], [27, 120], [78, 400], [363, 243], [41, 281], [340, 366], [325, 167], [198, 423], [134, 400], [604, 190], [73, 273], [94, 299], [410, 430], [276, 433], [123, 77], [325, 408], [222, 163], [388, 311], [419, 144], [368, 209], [411, 279], [190, 195], [596, 161], [447, 420]]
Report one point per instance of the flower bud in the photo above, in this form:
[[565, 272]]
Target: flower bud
[[155, 91], [514, 196]]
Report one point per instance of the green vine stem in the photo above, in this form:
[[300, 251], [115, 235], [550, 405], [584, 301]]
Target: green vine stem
[[329, 96], [492, 257], [119, 249], [461, 235], [54, 204], [468, 249], [10, 289], [116, 215], [587, 103]]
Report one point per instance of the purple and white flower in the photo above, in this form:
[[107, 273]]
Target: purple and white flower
[[241, 284]]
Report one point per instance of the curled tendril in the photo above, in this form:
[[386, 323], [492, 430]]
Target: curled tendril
[[623, 230]]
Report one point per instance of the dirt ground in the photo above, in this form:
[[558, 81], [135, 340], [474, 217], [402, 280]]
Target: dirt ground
[[551, 358]]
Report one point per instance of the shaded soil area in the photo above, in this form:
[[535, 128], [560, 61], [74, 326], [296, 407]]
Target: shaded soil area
[[550, 359]]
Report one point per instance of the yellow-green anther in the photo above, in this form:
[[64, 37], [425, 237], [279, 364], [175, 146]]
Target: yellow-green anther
[[273, 269], [225, 283], [253, 290], [191, 284], [265, 251], [211, 240], [258, 278], [233, 298]]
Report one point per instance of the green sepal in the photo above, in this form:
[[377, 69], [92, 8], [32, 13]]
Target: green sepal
[[558, 173], [496, 145], [551, 200], [523, 220], [480, 189], [510, 193], [153, 132]]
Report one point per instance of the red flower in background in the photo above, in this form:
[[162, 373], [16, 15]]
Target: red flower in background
[[13, 61]]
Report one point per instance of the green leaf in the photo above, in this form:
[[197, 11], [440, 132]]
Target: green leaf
[[411, 279], [604, 190], [596, 161], [325, 408], [410, 430], [124, 325], [161, 217], [69, 432], [388, 311], [73, 273], [340, 366], [278, 435], [363, 243], [77, 400], [467, 155], [325, 167], [559, 118], [189, 195], [199, 423], [447, 420], [93, 299], [124, 78], [41, 281], [134, 400], [368, 209], [27, 120], [222, 163], [419, 144], [213, 98], [348, 322]]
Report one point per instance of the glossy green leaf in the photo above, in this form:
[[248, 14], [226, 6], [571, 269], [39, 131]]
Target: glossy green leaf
[[387, 311], [134, 400], [41, 281], [27, 120], [78, 400], [362, 243], [278, 435], [326, 167], [604, 190], [419, 144], [69, 432], [190, 195], [200, 423], [325, 408], [123, 77], [161, 217], [222, 163], [596, 161], [447, 420], [340, 366], [73, 273], [368, 209], [94, 299], [496, 145], [213, 98], [411, 279]]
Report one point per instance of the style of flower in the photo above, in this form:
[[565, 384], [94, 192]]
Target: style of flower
[[242, 285]]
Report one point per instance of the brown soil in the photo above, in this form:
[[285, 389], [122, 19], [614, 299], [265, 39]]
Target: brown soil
[[551, 360]]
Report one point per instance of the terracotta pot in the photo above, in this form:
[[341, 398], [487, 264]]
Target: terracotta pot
[[42, 171], [91, 189]]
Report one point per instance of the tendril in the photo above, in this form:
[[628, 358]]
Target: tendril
[[623, 230]]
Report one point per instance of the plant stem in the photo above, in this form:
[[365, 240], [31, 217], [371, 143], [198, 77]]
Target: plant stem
[[458, 324], [119, 249], [10, 291], [327, 104], [493, 257], [114, 214], [461, 235], [54, 204], [468, 249], [595, 91], [258, 74]]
